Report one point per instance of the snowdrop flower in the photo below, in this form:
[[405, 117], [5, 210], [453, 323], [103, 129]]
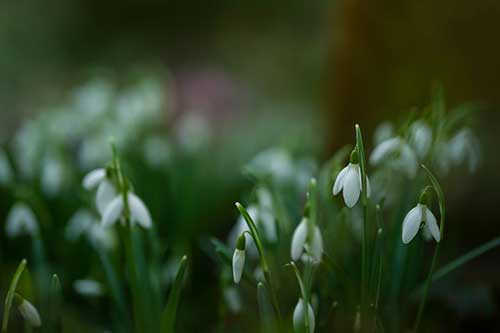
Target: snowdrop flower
[[239, 259], [79, 224], [21, 221], [301, 240], [383, 132], [417, 216], [420, 138], [465, 146], [137, 209], [53, 176], [349, 181], [398, 153], [94, 178], [87, 287], [299, 322], [106, 192], [28, 311]]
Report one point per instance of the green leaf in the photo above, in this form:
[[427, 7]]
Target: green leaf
[[10, 294], [266, 312], [170, 310], [55, 305]]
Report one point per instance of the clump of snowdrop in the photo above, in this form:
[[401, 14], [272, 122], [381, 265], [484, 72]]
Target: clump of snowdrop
[[420, 217], [349, 181], [21, 221], [299, 314], [239, 259], [28, 311]]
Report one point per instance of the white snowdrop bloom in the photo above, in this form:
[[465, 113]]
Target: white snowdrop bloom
[[53, 176], [301, 241], [94, 178], [239, 259], [30, 313], [89, 288], [273, 162], [299, 322], [137, 209], [421, 138], [464, 146], [414, 219], [21, 221], [349, 182], [106, 192], [100, 236], [6, 173], [383, 132], [79, 224], [398, 153], [233, 299]]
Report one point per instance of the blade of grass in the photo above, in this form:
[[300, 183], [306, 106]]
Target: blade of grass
[[10, 295], [55, 304], [170, 310]]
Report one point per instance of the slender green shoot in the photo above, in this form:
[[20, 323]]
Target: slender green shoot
[[170, 311], [11, 293]]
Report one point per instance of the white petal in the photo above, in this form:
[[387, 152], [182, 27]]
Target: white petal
[[238, 264], [431, 225], [299, 239], [339, 181], [299, 320], [30, 313], [105, 194], [421, 138], [112, 211], [384, 149], [138, 211], [411, 223], [268, 224], [352, 187], [93, 178], [317, 244]]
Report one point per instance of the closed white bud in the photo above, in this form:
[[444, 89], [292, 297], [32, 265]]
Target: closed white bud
[[239, 259], [30, 313], [299, 322]]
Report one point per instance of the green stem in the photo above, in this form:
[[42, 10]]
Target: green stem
[[263, 261], [442, 211]]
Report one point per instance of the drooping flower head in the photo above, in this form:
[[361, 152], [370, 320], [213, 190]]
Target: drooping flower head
[[349, 181], [239, 258], [420, 217], [21, 221], [308, 238]]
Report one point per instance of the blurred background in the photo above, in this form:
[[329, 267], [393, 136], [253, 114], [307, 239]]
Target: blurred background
[[192, 91]]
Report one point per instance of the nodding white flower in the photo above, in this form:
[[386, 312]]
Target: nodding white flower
[[89, 288], [21, 221], [137, 209], [465, 146], [421, 137], [383, 132], [29, 313], [299, 322], [94, 178], [239, 259], [417, 216], [403, 156], [53, 175], [106, 192], [301, 241], [349, 181], [79, 224]]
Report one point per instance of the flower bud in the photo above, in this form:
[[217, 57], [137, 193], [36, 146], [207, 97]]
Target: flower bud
[[239, 259], [299, 322]]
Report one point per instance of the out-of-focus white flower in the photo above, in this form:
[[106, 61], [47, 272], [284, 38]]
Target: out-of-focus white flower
[[301, 241], [299, 323], [273, 162], [29, 313], [6, 173], [53, 176], [106, 192], [349, 181], [89, 288], [239, 259], [398, 154], [233, 299], [413, 220], [100, 236], [94, 178], [79, 224], [383, 132], [157, 151], [420, 138], [137, 209], [21, 221], [464, 146]]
